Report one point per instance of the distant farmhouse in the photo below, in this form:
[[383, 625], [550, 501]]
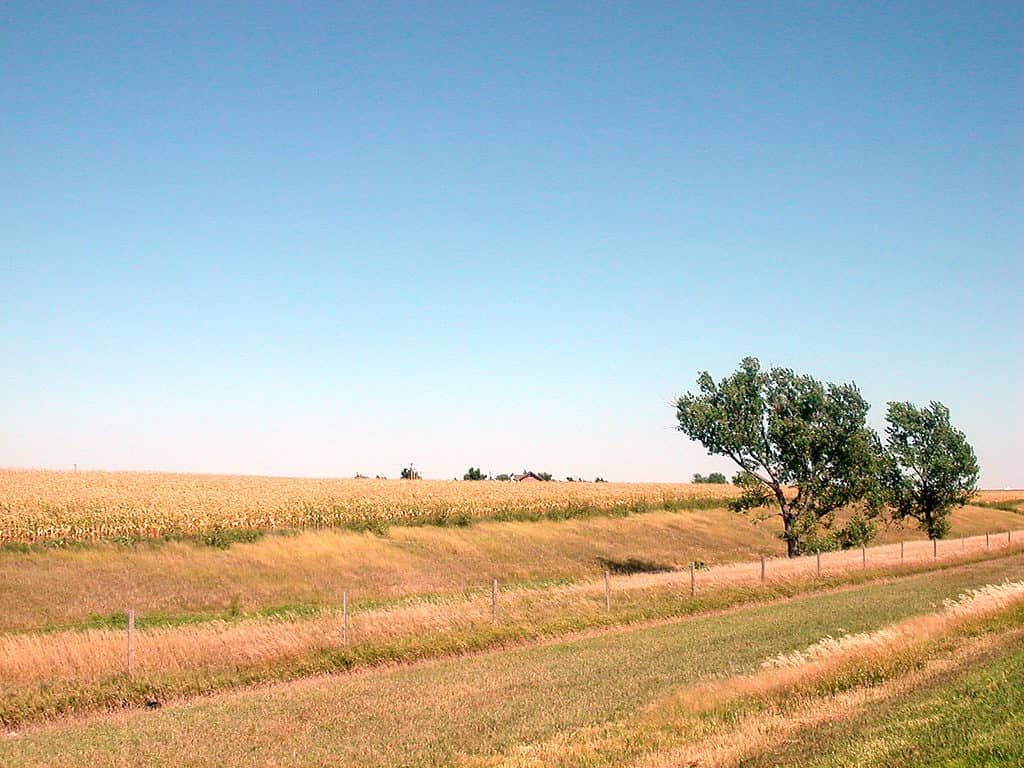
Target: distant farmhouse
[[527, 477]]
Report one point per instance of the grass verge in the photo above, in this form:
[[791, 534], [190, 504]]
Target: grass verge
[[47, 675], [494, 707]]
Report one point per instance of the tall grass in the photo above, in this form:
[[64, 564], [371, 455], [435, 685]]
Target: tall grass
[[82, 586]]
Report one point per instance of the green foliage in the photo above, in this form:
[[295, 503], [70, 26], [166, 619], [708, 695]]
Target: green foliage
[[786, 430], [503, 477], [222, 538], [474, 473], [858, 532], [716, 478], [931, 466], [408, 473], [545, 476]]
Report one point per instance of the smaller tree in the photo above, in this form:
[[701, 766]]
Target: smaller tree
[[503, 477], [931, 466], [408, 473], [474, 473], [716, 478]]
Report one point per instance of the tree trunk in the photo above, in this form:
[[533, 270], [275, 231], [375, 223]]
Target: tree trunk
[[791, 548], [788, 522]]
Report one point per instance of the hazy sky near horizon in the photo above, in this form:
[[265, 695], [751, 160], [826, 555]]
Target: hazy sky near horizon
[[329, 238]]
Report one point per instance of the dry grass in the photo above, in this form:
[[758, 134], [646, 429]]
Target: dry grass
[[37, 505], [603, 701], [68, 586], [290, 645]]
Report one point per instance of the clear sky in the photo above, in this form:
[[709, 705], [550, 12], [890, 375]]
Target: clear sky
[[329, 238]]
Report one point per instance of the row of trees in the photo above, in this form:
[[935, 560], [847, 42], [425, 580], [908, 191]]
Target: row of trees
[[474, 473], [715, 478], [805, 451]]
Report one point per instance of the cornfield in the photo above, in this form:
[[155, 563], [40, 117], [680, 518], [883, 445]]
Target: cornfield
[[39, 505]]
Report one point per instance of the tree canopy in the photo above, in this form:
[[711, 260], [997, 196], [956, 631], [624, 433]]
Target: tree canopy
[[716, 478], [932, 467], [802, 446]]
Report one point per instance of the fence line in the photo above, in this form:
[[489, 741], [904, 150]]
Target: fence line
[[95, 653], [721, 576]]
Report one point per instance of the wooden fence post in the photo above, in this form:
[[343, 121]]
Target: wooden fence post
[[762, 569], [131, 642], [935, 549], [986, 541], [607, 593], [863, 556], [901, 551], [494, 600], [693, 580]]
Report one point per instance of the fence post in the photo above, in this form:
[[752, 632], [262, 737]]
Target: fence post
[[607, 593], [131, 642], [901, 551], [494, 600], [986, 541], [863, 556], [818, 554], [762, 569], [693, 580], [344, 617]]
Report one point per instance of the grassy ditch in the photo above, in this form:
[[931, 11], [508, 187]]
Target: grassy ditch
[[69, 672], [567, 700]]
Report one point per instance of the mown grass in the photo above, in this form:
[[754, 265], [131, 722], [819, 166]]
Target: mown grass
[[450, 711], [972, 715]]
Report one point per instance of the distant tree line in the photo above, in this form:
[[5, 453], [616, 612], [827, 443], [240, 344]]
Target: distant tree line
[[716, 478], [476, 473]]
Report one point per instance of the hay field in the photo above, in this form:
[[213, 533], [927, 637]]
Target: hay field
[[39, 505]]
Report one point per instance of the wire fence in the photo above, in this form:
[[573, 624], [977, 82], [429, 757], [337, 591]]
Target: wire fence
[[30, 659]]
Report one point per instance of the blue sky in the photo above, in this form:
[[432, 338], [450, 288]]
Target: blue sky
[[321, 239]]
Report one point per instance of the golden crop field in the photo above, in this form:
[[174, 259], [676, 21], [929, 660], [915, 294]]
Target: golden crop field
[[40, 505]]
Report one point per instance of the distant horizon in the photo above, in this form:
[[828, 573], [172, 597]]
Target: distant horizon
[[554, 478]]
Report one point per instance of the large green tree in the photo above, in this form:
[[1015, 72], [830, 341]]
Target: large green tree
[[803, 447], [932, 467]]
